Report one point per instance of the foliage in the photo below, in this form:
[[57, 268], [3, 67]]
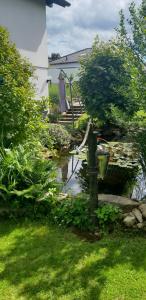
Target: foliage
[[108, 80], [137, 133], [45, 138], [135, 36], [72, 212], [25, 177], [82, 121], [74, 88], [59, 135], [55, 56], [107, 214], [135, 40], [53, 103], [119, 117], [18, 113], [54, 96], [53, 117]]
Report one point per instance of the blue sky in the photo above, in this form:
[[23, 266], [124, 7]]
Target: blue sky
[[75, 27]]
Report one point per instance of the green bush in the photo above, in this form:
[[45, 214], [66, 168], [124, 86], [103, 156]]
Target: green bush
[[54, 98], [107, 80], [81, 123], [107, 215], [59, 135], [72, 212], [18, 113], [25, 178], [45, 138]]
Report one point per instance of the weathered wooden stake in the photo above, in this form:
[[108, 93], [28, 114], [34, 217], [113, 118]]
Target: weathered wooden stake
[[62, 93], [93, 172]]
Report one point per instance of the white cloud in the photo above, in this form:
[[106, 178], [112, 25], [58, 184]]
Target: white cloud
[[75, 27]]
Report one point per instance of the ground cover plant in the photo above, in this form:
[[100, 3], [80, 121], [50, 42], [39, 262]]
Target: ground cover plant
[[42, 262], [25, 178]]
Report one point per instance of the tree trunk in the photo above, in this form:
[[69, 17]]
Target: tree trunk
[[93, 172]]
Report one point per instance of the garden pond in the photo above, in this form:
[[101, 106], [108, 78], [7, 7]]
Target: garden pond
[[123, 177]]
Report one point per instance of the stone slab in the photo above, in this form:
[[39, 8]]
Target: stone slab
[[123, 202]]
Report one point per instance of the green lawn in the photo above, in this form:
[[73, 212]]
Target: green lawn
[[42, 262]]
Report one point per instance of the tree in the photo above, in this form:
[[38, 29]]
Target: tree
[[109, 83], [135, 40], [17, 108], [109, 78], [135, 36], [55, 56]]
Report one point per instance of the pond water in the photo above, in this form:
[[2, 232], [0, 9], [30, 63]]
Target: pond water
[[73, 173]]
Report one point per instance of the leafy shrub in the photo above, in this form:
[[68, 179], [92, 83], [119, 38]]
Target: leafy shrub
[[81, 123], [53, 117], [107, 79], [59, 135], [18, 113], [45, 138], [108, 214], [25, 178], [54, 98], [72, 212]]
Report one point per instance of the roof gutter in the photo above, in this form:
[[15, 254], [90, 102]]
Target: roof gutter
[[62, 3]]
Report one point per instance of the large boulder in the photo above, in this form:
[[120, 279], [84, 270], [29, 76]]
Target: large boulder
[[130, 220], [124, 203], [137, 213], [142, 208]]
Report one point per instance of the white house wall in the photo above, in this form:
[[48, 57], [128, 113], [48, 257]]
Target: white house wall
[[26, 23], [69, 69]]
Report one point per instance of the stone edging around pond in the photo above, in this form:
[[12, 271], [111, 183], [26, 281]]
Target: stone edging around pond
[[134, 212], [136, 218]]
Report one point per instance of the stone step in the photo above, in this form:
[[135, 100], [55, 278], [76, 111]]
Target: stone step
[[76, 108], [70, 115], [64, 122], [75, 111], [68, 119]]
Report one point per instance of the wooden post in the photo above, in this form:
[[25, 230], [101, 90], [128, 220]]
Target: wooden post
[[62, 93], [93, 172], [71, 98]]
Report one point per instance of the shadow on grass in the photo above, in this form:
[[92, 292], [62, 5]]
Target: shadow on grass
[[42, 262]]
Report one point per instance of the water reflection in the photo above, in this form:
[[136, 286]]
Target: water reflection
[[73, 172], [139, 190], [68, 174]]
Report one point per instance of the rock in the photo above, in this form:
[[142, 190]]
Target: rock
[[137, 213], [142, 208], [130, 220], [140, 225], [62, 196], [124, 203], [124, 215]]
